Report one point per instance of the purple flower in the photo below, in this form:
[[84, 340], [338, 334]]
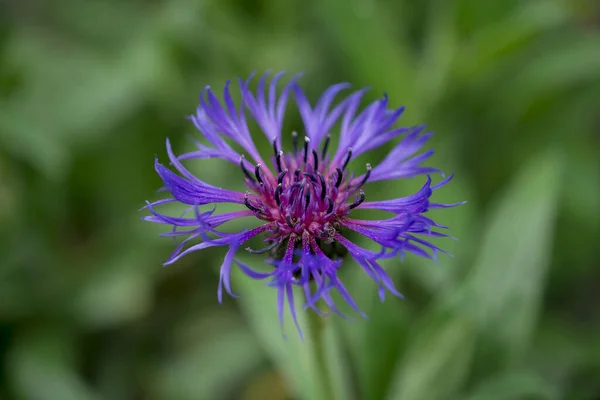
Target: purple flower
[[304, 197]]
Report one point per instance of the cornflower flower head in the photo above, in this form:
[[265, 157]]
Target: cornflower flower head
[[303, 196]]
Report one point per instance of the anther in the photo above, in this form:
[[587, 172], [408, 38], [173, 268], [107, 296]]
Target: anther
[[306, 142], [348, 157], [244, 170], [316, 158], [338, 179], [250, 206], [366, 178], [330, 208], [281, 176], [278, 191], [278, 159], [358, 201], [325, 145], [297, 174], [311, 176], [264, 250], [277, 154], [299, 184], [257, 174], [323, 185], [307, 199], [295, 141]]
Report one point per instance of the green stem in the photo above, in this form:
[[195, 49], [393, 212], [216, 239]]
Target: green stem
[[316, 325]]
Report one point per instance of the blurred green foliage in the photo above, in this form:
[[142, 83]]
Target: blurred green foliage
[[90, 89]]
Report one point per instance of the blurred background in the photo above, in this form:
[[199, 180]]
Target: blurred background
[[89, 90]]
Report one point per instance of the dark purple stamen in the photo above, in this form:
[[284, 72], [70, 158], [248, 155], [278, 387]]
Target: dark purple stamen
[[257, 174], [348, 157], [278, 160], [245, 171], [316, 158], [323, 185], [306, 142], [325, 146], [330, 208], [281, 176], [366, 178], [278, 155], [340, 175], [278, 194], [298, 184], [250, 206], [358, 201], [312, 177]]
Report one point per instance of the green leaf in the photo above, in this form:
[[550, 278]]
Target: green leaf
[[522, 384], [437, 361], [504, 289], [507, 36], [349, 24], [208, 368], [42, 367], [76, 96], [336, 363], [120, 290], [440, 48], [571, 62]]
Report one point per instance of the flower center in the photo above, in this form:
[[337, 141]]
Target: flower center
[[307, 194]]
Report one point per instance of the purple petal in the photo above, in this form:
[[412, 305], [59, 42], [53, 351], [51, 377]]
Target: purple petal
[[195, 192]]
